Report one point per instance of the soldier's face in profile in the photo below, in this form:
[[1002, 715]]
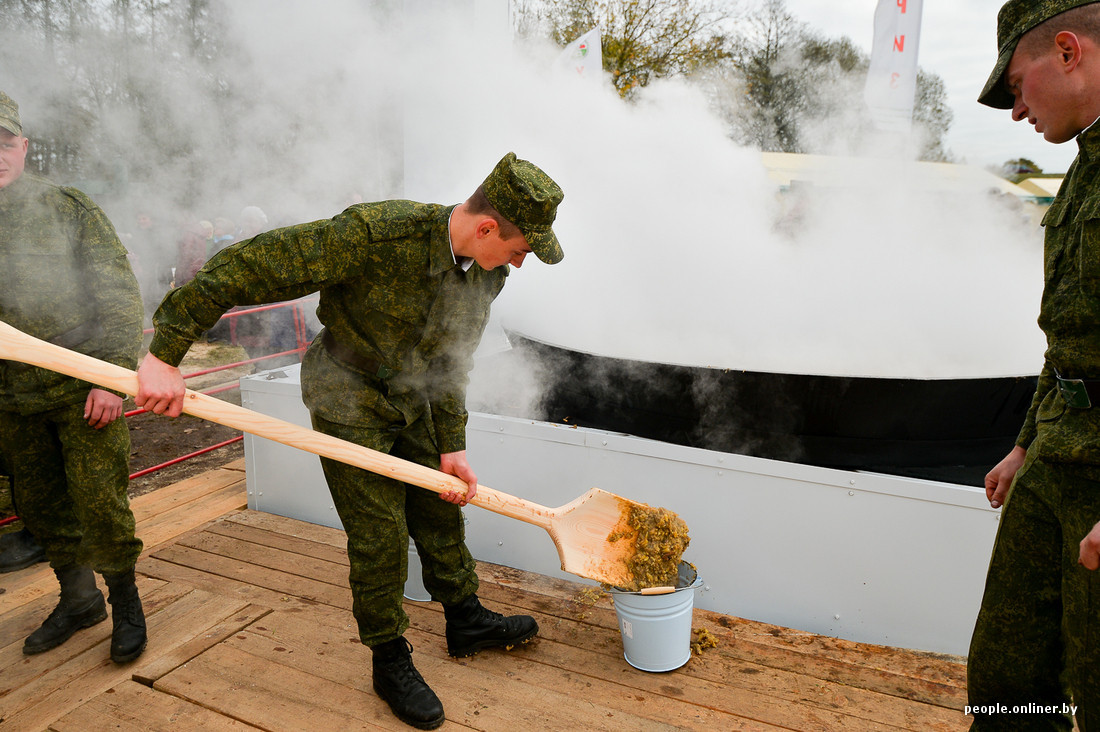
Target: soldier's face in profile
[[13, 157], [494, 251], [1044, 92], [506, 251]]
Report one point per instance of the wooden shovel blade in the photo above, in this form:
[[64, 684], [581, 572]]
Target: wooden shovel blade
[[583, 532]]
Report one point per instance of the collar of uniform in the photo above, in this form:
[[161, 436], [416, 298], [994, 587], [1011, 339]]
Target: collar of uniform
[[1088, 141], [464, 262], [442, 257]]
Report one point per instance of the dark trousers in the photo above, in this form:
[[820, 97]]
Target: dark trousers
[[1037, 637], [380, 514], [70, 481]]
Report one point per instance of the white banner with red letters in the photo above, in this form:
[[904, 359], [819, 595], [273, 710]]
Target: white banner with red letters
[[583, 57], [892, 77]]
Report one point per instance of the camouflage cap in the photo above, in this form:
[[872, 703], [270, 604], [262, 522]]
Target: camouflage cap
[[1015, 19], [529, 198], [9, 115]]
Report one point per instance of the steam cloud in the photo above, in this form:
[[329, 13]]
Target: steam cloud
[[679, 247]]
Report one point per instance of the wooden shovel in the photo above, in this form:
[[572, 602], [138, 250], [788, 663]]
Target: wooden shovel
[[580, 529]]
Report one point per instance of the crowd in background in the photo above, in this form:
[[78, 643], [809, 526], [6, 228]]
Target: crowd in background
[[167, 254]]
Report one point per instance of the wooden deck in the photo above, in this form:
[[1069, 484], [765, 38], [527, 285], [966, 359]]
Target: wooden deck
[[250, 628]]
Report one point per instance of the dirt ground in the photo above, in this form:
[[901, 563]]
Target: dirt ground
[[155, 440]]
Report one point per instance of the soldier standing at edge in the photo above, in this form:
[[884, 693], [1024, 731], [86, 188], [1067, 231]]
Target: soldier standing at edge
[[405, 290], [1036, 643], [65, 278]]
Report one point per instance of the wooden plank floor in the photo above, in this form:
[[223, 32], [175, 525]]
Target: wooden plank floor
[[250, 628]]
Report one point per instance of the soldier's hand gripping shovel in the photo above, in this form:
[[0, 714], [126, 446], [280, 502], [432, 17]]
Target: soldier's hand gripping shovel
[[599, 535]]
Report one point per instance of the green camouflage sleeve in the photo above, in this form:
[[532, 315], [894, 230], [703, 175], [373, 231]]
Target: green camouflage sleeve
[[1029, 431], [111, 283], [449, 377], [282, 264], [448, 371]]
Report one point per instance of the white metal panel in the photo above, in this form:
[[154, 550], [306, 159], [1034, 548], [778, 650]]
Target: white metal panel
[[867, 557], [280, 479]]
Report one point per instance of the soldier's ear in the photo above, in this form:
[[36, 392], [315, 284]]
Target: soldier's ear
[[485, 227], [1069, 49]]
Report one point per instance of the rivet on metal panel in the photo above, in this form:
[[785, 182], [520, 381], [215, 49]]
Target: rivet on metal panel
[[851, 493], [500, 543], [720, 472], [604, 443], [836, 617]]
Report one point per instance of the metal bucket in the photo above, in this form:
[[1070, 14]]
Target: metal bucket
[[656, 629], [414, 583]]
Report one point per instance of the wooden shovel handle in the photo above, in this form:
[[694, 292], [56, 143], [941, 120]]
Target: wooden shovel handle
[[657, 590], [16, 345]]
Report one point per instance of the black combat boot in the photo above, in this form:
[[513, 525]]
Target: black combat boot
[[128, 636], [81, 606], [471, 628], [402, 687], [19, 550]]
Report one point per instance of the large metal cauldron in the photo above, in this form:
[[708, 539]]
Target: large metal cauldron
[[942, 429]]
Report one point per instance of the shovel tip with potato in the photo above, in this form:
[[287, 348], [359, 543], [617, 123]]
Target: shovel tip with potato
[[601, 536]]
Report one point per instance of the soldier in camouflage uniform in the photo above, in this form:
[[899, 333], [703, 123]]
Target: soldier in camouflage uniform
[[65, 278], [405, 290], [1036, 644]]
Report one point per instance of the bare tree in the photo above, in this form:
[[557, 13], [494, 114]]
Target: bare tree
[[641, 40], [765, 61], [932, 117], [787, 89]]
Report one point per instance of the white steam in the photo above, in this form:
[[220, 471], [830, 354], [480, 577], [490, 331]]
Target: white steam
[[679, 247], [673, 253]]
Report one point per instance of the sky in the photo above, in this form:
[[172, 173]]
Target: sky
[[958, 42]]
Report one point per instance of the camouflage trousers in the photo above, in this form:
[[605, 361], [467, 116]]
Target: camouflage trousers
[[1036, 643], [69, 482], [380, 514]]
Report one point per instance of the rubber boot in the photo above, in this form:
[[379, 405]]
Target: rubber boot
[[19, 550], [81, 606], [128, 637], [471, 628], [401, 686]]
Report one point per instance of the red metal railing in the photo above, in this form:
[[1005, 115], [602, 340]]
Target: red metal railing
[[301, 337], [182, 458]]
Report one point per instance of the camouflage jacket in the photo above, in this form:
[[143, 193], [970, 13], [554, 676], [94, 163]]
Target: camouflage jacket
[[1070, 313], [389, 290], [65, 278]]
